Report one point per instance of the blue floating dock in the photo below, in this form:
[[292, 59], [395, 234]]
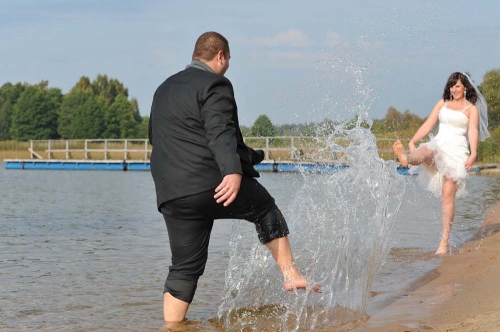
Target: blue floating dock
[[141, 165], [297, 167], [144, 165], [78, 165], [138, 165], [131, 165]]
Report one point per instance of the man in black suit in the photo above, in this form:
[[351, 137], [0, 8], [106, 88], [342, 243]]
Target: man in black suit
[[203, 171]]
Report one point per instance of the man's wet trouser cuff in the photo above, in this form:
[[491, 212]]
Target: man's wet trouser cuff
[[180, 287], [271, 226]]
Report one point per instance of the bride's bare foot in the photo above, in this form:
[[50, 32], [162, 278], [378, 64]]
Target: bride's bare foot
[[399, 150], [293, 279], [442, 249]]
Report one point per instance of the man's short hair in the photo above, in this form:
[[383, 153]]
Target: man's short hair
[[209, 44]]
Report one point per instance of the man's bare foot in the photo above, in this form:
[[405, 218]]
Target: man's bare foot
[[399, 150], [295, 280], [442, 249]]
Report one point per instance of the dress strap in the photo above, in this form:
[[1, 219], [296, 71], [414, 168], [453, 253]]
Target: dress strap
[[466, 107]]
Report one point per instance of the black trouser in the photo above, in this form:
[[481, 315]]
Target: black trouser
[[189, 222]]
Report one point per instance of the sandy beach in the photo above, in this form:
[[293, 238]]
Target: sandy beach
[[462, 294]]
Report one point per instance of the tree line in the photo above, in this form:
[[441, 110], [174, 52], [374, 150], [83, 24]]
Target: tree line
[[90, 110], [395, 122], [102, 109]]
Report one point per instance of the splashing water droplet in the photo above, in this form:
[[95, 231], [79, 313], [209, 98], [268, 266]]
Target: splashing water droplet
[[339, 231]]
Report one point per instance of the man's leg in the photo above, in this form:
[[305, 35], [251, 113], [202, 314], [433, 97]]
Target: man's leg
[[174, 310], [282, 253], [272, 231], [189, 238], [255, 204]]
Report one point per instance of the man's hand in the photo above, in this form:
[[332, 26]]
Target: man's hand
[[228, 189]]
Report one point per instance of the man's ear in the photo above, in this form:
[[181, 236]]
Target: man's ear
[[220, 56]]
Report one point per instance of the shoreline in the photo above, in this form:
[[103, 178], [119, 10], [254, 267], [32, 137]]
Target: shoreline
[[461, 294]]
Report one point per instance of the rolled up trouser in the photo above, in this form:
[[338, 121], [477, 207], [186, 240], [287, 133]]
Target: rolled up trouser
[[189, 223], [271, 226]]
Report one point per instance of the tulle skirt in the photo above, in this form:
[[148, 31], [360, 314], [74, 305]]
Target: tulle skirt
[[449, 158]]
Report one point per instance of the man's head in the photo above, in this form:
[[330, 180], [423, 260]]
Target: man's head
[[213, 49]]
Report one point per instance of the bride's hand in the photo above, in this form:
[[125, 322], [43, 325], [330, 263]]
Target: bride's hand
[[411, 146], [470, 162]]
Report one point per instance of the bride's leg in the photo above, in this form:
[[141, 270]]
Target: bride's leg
[[448, 213], [414, 158]]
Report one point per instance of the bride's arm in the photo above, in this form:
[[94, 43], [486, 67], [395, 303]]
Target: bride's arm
[[427, 126], [473, 133]]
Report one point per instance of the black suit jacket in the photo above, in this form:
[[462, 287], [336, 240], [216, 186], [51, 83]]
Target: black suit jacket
[[194, 130]]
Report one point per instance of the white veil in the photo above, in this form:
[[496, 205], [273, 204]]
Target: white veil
[[483, 112]]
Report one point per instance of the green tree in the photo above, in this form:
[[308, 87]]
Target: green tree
[[135, 107], [81, 115], [379, 127], [393, 120], [112, 122], [114, 116], [128, 124], [35, 113], [108, 89], [83, 83], [411, 121], [263, 127], [143, 128], [9, 95], [245, 131], [490, 88], [120, 121], [325, 127]]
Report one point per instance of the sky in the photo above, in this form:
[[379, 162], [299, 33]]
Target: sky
[[295, 61]]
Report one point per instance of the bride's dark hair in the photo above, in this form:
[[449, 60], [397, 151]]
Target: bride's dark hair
[[454, 78]]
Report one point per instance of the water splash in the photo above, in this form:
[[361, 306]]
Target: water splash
[[339, 231], [340, 225]]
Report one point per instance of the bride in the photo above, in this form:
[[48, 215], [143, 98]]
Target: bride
[[443, 162]]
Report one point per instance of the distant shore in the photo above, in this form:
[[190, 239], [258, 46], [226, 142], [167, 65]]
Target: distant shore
[[14, 154], [462, 294]]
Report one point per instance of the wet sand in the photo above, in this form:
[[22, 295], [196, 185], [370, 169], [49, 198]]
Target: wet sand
[[462, 294]]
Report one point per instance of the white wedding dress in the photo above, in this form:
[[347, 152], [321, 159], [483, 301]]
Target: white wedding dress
[[451, 150]]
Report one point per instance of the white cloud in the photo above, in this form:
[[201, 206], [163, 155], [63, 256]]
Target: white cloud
[[287, 55], [333, 39], [290, 38], [164, 57], [371, 44], [290, 59]]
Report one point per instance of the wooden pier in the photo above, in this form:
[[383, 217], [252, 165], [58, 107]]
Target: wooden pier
[[288, 154], [90, 149], [282, 154]]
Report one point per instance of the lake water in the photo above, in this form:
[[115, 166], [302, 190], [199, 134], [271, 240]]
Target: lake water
[[88, 251]]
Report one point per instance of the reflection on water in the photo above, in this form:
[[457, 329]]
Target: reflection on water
[[87, 251]]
